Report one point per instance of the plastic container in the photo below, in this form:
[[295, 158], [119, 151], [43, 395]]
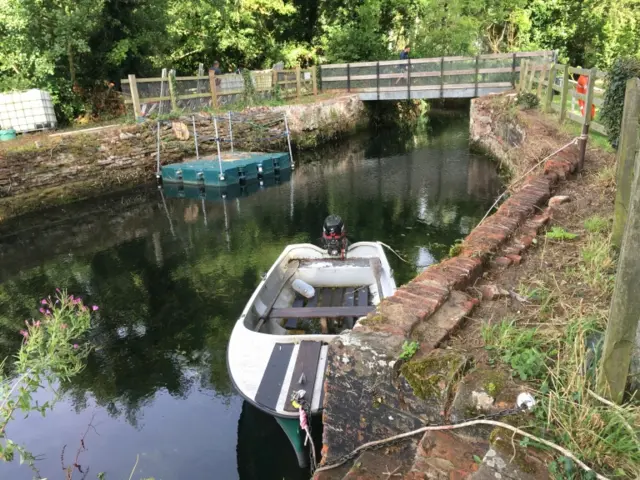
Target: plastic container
[[27, 111], [303, 288], [6, 135]]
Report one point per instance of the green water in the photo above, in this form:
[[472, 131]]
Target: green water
[[171, 275]]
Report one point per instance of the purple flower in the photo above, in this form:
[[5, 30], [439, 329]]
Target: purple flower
[[75, 345], [84, 309], [57, 290], [36, 324], [94, 308], [77, 301], [24, 333], [41, 310], [47, 312], [43, 301]]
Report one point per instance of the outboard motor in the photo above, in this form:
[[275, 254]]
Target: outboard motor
[[334, 236]]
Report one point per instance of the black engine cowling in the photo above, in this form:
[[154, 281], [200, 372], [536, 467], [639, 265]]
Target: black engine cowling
[[334, 236]]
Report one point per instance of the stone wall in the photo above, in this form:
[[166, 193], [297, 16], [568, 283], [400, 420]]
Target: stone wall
[[58, 169]]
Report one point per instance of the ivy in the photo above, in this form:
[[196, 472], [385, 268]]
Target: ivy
[[616, 83]]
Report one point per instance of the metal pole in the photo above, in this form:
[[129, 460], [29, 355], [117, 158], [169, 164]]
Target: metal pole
[[158, 149], [166, 211], [286, 126], [215, 125], [230, 132], [195, 136]]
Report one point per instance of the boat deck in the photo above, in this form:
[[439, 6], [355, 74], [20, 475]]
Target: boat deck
[[235, 168]]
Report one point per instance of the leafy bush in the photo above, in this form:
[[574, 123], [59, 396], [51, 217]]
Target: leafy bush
[[409, 349], [611, 115], [527, 100]]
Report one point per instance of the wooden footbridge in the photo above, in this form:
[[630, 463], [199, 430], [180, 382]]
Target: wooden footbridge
[[429, 78]]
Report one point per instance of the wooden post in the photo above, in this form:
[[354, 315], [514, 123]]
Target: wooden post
[[274, 80], [552, 81], [543, 73], [565, 93], [378, 80], [476, 75], [621, 337], [441, 77], [214, 89], [298, 87], [513, 71], [408, 79], [172, 90], [348, 77], [532, 76], [314, 81], [135, 98], [628, 145], [586, 119], [200, 74], [524, 65]]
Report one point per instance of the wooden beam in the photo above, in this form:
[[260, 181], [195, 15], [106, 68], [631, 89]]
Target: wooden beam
[[135, 98], [213, 88], [318, 312]]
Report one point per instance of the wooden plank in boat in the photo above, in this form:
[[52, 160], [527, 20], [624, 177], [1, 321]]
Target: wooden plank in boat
[[363, 296], [304, 372], [273, 378], [349, 302], [293, 322], [313, 301], [325, 297], [317, 312], [336, 297]]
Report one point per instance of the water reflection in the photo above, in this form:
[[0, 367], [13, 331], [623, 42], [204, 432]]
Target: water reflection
[[172, 271]]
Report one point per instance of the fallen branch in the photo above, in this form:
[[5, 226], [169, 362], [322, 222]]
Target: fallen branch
[[494, 423]]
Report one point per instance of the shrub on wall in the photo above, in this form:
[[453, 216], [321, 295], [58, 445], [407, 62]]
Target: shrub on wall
[[616, 83]]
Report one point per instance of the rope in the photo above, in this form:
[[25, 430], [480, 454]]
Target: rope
[[494, 423], [524, 175], [394, 252]]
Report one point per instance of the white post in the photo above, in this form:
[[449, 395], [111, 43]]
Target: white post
[[226, 221], [215, 125], [164, 74], [195, 136], [286, 126], [204, 210], [230, 132]]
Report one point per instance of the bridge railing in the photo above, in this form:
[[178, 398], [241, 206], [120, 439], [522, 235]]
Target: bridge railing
[[428, 77], [555, 86]]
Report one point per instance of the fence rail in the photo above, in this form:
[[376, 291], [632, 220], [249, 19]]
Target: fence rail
[[191, 93], [548, 79], [439, 77]]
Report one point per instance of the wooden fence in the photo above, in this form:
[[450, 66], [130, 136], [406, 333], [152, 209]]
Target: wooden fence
[[548, 79], [441, 77], [192, 93]]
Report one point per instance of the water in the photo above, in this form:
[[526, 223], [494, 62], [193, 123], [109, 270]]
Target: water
[[171, 275]]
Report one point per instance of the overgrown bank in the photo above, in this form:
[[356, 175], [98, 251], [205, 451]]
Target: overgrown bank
[[59, 169], [517, 309]]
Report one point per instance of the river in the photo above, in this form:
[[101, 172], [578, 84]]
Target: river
[[172, 274]]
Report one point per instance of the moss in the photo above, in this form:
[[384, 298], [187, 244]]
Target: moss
[[493, 381], [432, 376]]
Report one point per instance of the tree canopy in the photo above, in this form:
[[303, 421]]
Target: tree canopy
[[75, 48]]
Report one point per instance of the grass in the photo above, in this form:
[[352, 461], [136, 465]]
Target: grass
[[559, 233], [554, 345]]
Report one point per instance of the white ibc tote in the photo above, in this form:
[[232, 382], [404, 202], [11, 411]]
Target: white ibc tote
[[27, 111]]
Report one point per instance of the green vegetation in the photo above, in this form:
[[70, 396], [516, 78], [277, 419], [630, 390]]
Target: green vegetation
[[554, 343], [409, 349], [527, 100], [79, 50], [611, 115], [53, 350], [559, 233]]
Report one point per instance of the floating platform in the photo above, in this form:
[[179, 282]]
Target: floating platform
[[213, 193], [232, 169]]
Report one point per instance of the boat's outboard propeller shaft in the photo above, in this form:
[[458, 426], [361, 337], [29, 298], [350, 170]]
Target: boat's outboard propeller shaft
[[334, 236]]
